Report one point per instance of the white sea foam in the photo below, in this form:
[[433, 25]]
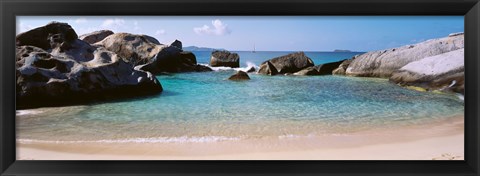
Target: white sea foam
[[183, 139], [289, 136], [245, 69], [461, 97], [27, 112]]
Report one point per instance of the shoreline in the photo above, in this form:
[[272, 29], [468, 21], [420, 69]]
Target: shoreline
[[439, 140]]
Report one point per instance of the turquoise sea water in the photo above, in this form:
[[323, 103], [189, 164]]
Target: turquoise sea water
[[199, 107]]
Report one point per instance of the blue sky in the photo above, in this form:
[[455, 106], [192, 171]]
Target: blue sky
[[269, 33]]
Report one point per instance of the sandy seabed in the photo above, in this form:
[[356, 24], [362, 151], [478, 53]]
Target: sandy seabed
[[439, 140]]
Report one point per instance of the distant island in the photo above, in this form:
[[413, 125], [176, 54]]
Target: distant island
[[340, 50], [196, 48]]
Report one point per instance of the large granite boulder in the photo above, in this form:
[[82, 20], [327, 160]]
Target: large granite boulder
[[323, 69], [146, 53], [224, 59], [136, 49], [313, 70], [240, 75], [184, 61], [40, 37], [440, 72], [342, 68], [96, 36], [267, 68], [286, 64], [73, 71], [383, 63]]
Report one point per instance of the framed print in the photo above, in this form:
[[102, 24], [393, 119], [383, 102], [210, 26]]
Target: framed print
[[254, 87]]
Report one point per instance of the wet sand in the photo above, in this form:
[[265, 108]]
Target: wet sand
[[440, 140]]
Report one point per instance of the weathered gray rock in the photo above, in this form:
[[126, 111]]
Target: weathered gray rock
[[72, 72], [240, 75], [440, 72], [289, 63], [40, 37], [267, 68], [224, 59], [341, 69], [384, 62], [136, 49], [145, 53], [96, 36], [184, 61], [323, 69], [313, 70]]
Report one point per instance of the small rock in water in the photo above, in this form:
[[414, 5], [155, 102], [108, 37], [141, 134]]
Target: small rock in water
[[251, 69], [240, 75], [224, 59]]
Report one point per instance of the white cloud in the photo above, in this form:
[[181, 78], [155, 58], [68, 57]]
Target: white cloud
[[113, 23], [136, 27], [81, 20], [218, 28], [160, 32]]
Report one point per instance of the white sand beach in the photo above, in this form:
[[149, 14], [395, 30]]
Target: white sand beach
[[443, 140]]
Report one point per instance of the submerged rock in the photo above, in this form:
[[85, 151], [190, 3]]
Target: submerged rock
[[441, 72], [224, 59], [323, 69], [71, 71], [240, 75], [383, 63], [96, 36], [289, 63]]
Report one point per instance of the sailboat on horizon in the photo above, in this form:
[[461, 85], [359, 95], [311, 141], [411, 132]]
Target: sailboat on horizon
[[253, 48]]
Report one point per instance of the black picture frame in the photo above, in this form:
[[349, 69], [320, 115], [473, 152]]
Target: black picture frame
[[9, 9]]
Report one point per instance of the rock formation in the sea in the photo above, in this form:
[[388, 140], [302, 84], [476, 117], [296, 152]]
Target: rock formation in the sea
[[383, 63], [341, 69], [224, 59], [251, 69], [435, 64], [286, 64], [267, 68], [70, 71], [96, 36], [440, 72], [313, 70], [323, 69], [240, 75], [147, 54]]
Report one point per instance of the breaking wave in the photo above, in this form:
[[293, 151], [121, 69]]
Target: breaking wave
[[245, 69]]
